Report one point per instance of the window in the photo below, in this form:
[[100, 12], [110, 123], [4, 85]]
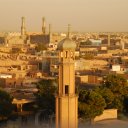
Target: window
[[66, 89], [66, 54]]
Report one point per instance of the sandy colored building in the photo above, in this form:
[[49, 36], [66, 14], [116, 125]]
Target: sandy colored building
[[66, 99]]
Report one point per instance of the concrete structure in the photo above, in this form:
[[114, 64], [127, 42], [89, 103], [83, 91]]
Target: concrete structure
[[5, 75], [90, 79], [107, 114], [90, 64], [96, 42], [115, 67], [66, 100], [20, 103]]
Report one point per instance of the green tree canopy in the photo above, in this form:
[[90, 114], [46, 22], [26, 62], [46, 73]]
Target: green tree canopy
[[91, 104], [116, 84], [119, 87], [46, 95], [6, 106], [107, 94]]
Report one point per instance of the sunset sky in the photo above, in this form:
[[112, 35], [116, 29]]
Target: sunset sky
[[83, 15]]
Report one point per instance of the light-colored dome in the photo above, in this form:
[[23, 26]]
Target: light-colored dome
[[66, 44]]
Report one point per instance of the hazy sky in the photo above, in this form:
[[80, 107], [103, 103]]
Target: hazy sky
[[83, 15]]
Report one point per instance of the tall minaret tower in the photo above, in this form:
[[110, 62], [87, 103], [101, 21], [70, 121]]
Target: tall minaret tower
[[123, 43], [66, 99], [109, 39], [49, 29], [50, 34], [23, 29], [43, 26]]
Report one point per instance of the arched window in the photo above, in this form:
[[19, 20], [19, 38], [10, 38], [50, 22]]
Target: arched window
[[66, 54]]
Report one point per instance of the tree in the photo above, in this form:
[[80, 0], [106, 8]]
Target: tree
[[91, 104], [118, 86], [126, 104], [6, 106], [107, 94], [46, 95], [116, 83]]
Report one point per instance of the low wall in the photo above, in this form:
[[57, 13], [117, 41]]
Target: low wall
[[107, 114]]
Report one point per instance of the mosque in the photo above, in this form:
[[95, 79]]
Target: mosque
[[15, 39]]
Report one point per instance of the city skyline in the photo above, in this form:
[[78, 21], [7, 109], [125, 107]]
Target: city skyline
[[83, 15]]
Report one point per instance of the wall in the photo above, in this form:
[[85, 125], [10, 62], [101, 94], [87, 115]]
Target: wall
[[84, 79], [89, 79], [107, 114]]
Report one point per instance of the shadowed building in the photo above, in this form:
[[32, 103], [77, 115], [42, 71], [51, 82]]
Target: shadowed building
[[43, 37], [66, 100], [39, 38]]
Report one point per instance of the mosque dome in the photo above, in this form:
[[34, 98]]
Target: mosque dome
[[66, 44]]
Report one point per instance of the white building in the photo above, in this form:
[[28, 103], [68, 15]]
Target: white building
[[5, 76], [115, 68]]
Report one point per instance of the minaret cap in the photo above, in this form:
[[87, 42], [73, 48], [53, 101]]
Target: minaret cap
[[67, 43]]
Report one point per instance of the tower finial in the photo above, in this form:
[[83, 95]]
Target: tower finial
[[69, 29]]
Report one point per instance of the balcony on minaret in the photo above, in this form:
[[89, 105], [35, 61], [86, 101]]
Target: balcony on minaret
[[67, 56]]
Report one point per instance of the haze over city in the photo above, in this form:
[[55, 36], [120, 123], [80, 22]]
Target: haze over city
[[84, 15], [63, 64]]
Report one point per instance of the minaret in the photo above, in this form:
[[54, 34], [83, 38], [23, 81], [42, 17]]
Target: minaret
[[6, 39], [49, 29], [123, 43], [109, 39], [23, 29], [43, 26], [50, 34], [66, 99]]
